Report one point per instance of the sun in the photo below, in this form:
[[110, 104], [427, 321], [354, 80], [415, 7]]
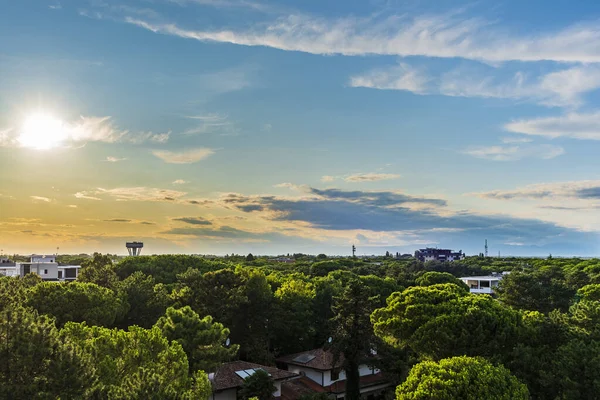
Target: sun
[[42, 131]]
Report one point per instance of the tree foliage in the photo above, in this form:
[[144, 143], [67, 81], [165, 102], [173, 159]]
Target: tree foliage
[[35, 363], [77, 302], [259, 385], [462, 378], [202, 339], [136, 363]]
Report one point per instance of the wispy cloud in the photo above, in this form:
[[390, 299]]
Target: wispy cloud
[[361, 177], [129, 221], [213, 123], [572, 125], [140, 193], [179, 182], [585, 190], [193, 220], [114, 159], [563, 88], [448, 36], [514, 152], [370, 177], [400, 77], [41, 198], [183, 157]]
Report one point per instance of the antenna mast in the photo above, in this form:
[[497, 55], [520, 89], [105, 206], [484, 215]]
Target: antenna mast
[[353, 251], [486, 248]]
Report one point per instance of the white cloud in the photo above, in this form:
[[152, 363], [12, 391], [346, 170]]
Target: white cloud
[[114, 159], [179, 182], [514, 152], [572, 125], [401, 77], [183, 157], [140, 193], [85, 195], [72, 206], [40, 198], [370, 177], [562, 88], [328, 178], [447, 36]]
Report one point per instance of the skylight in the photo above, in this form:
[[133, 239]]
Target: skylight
[[304, 358]]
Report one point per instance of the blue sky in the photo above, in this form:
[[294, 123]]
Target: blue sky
[[221, 126]]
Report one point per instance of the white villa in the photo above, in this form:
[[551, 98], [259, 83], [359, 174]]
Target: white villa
[[483, 284], [43, 265]]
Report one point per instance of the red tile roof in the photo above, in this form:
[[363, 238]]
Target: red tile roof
[[322, 361], [226, 378], [365, 381]]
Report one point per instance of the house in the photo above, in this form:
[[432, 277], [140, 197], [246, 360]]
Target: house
[[483, 284], [43, 265], [229, 378], [319, 374], [432, 254]]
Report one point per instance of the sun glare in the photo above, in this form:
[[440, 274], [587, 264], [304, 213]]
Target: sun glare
[[42, 131]]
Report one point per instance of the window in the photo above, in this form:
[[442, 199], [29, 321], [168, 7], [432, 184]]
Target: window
[[45, 272], [335, 374]]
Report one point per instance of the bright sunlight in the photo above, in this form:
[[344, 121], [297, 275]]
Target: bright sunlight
[[42, 131]]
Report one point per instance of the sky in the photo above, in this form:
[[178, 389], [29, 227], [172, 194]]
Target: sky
[[275, 127]]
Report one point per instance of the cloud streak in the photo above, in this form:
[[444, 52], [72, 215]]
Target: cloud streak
[[449, 35], [183, 157], [514, 152], [572, 125]]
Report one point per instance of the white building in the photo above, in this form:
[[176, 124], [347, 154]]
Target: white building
[[43, 265], [483, 284], [320, 374]]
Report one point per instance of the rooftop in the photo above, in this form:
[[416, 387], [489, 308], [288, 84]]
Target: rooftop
[[316, 359], [227, 377]]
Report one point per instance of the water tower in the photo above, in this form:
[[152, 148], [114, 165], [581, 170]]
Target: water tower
[[134, 248]]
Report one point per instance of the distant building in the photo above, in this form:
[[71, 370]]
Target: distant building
[[432, 254], [43, 265], [286, 260], [483, 284]]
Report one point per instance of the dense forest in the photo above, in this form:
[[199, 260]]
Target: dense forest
[[152, 327]]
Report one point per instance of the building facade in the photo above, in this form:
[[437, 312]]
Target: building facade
[[483, 284], [443, 255], [45, 266]]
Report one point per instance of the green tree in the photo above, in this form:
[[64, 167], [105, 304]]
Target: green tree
[[435, 278], [98, 270], [249, 257], [203, 340], [35, 363], [352, 333], [76, 301], [441, 321], [147, 300], [259, 385], [462, 378], [13, 290], [138, 363], [292, 320], [544, 289]]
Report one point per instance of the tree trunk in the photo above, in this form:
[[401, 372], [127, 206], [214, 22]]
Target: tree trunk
[[352, 382]]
